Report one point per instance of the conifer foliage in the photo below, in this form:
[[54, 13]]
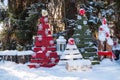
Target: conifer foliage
[[82, 33]]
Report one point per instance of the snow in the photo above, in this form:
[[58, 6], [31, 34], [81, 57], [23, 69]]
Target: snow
[[6, 2], [1, 26], [106, 70], [15, 52]]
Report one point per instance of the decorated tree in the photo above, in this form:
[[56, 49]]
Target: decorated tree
[[82, 33], [71, 52], [45, 50], [105, 37], [105, 41]]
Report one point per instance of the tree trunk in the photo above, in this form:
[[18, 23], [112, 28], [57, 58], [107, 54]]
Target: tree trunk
[[56, 15]]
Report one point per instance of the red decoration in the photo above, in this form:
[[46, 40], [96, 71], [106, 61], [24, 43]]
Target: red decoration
[[42, 20], [108, 54], [49, 32], [71, 41], [115, 43], [101, 29], [104, 21], [82, 12], [107, 35], [105, 53], [45, 55]]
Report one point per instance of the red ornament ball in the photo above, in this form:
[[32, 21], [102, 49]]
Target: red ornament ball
[[101, 29], [107, 35], [49, 32], [71, 41], [82, 12], [104, 21], [115, 43]]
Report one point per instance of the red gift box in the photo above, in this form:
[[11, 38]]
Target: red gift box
[[105, 53]]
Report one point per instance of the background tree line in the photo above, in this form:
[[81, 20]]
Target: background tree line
[[21, 19]]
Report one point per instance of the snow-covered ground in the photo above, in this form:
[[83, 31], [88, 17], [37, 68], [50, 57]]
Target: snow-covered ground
[[106, 70]]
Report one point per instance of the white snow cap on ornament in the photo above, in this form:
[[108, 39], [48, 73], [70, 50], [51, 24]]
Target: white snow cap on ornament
[[44, 12]]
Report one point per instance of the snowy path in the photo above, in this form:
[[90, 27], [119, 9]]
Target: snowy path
[[105, 71], [6, 75]]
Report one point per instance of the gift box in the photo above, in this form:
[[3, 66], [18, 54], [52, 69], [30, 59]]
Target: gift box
[[105, 53]]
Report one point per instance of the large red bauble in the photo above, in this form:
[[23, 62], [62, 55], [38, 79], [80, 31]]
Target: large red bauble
[[82, 12]]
